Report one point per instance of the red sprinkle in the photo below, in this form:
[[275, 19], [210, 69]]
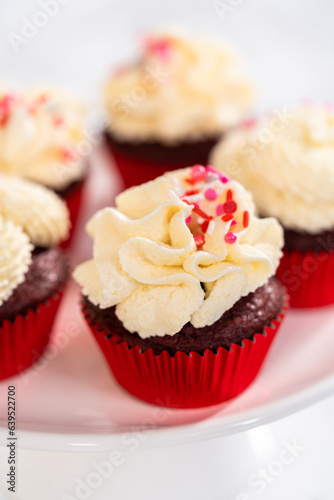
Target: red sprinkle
[[199, 240], [192, 191], [229, 195], [198, 211], [188, 219], [191, 181], [205, 224], [227, 217], [233, 223], [245, 221], [230, 207], [230, 238]]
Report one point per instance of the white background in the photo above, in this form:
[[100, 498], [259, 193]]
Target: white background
[[288, 46]]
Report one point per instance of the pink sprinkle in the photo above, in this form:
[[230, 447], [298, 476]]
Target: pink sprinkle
[[57, 121], [69, 155], [199, 240], [220, 209], [250, 123], [233, 223], [209, 168], [42, 98], [188, 219], [230, 238], [198, 173], [5, 108], [210, 194], [160, 47]]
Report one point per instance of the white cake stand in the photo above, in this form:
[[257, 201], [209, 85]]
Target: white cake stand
[[69, 404]]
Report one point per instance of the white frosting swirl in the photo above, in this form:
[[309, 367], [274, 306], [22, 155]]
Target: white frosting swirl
[[15, 257], [289, 167], [150, 260], [39, 136], [39, 211], [182, 88]]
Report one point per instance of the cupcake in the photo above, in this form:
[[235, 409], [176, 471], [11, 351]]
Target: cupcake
[[168, 109], [180, 294], [288, 165], [40, 135], [33, 270]]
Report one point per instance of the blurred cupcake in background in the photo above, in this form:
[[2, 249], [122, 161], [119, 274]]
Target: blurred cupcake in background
[[168, 109], [287, 162], [33, 270], [40, 134], [180, 293]]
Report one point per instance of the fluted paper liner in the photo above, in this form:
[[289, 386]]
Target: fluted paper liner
[[24, 339], [186, 381], [308, 277]]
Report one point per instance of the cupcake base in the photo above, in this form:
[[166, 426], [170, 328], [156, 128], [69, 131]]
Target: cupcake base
[[23, 340], [308, 278], [141, 162], [307, 269], [26, 318], [46, 274], [185, 380], [72, 195]]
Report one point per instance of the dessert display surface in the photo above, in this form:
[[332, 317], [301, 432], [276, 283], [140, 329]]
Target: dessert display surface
[[70, 401]]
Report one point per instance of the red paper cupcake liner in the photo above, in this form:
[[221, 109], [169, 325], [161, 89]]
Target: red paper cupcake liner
[[136, 171], [186, 381], [24, 339], [308, 277], [73, 201]]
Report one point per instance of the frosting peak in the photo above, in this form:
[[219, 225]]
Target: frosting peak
[[290, 170], [36, 209], [15, 257], [39, 135], [184, 247], [182, 88]]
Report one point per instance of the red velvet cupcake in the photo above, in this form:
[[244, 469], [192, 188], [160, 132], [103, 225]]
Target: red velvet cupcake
[[180, 294], [169, 109], [287, 162], [41, 137], [33, 270]]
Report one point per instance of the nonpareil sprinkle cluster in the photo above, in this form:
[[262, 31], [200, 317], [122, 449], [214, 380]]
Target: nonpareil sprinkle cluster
[[212, 199]]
